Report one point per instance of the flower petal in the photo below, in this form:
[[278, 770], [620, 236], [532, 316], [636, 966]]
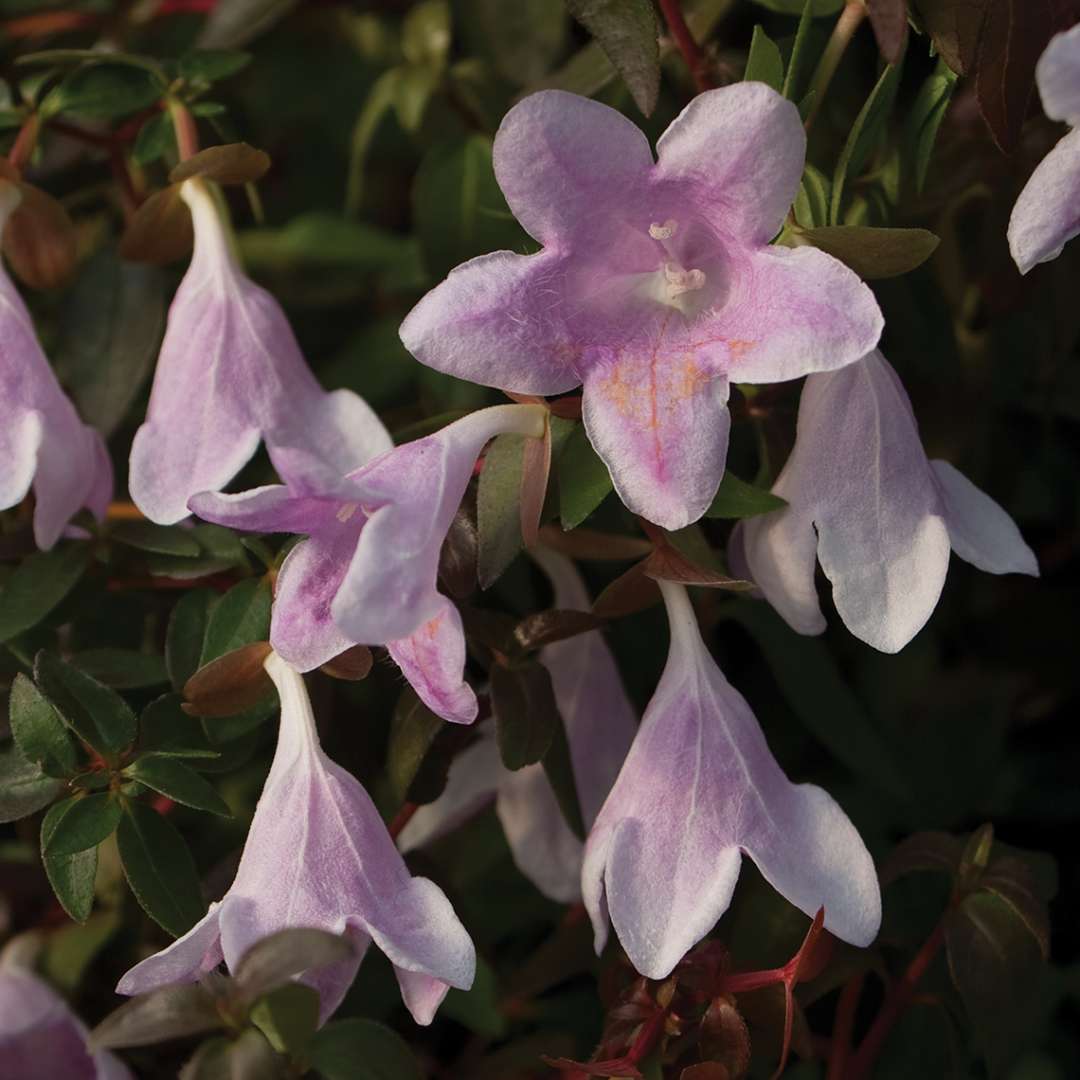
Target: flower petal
[[658, 417], [738, 152], [1047, 213], [980, 531], [187, 959], [432, 658], [269, 509], [498, 320], [1058, 77], [20, 439]]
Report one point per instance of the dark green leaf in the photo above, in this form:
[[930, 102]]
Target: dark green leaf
[[72, 949], [169, 1013], [71, 876], [796, 79], [546, 627], [520, 41], [276, 959], [812, 202], [102, 91], [526, 715], [87, 821], [361, 1050], [323, 240], [209, 65], [156, 138], [873, 253], [498, 508], [737, 499], [764, 64], [241, 617], [288, 1017], [24, 788], [628, 33], [186, 633], [480, 1007], [924, 119], [559, 769], [178, 781], [938, 851], [248, 1056], [584, 480], [122, 669], [98, 715], [159, 868], [38, 584], [220, 549], [413, 731], [164, 728], [164, 539], [38, 730]]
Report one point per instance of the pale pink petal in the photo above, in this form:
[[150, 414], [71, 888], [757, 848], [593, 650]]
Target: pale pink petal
[[269, 509], [1047, 213], [20, 440], [1058, 77], [69, 476], [187, 959], [422, 993]]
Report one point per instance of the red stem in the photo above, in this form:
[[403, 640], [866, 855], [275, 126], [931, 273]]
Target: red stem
[[401, 819], [48, 22], [187, 134], [25, 141], [692, 54], [840, 1050]]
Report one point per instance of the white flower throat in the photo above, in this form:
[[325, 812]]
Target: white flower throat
[[674, 281]]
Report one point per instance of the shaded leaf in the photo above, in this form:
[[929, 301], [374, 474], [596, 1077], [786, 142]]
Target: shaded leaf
[[737, 499], [413, 731], [889, 20], [526, 714], [279, 957], [84, 824], [103, 91], [71, 876], [160, 230], [361, 1050], [287, 1016], [38, 584], [559, 769], [179, 782], [230, 684], [24, 788], [185, 634], [480, 1007], [156, 138], [592, 544], [764, 63], [39, 240], [122, 669], [872, 253], [209, 65], [240, 617], [546, 627], [498, 502], [457, 556], [146, 536], [584, 480], [169, 1013], [924, 119], [352, 665], [924, 851], [39, 732]]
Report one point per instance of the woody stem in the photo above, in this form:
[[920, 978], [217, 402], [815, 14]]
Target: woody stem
[[684, 39]]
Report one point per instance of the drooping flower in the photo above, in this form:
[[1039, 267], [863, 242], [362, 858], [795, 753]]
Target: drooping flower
[[367, 574], [880, 518], [656, 286], [698, 789], [231, 374], [318, 855], [1047, 213], [40, 1036], [600, 725], [43, 443]]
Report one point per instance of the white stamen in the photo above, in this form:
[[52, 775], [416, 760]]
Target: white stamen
[[665, 231], [346, 511], [681, 281]]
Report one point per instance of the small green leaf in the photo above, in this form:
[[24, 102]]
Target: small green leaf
[[38, 584], [526, 714], [240, 617], [98, 715], [103, 91], [288, 1017], [737, 499], [413, 731], [320, 240], [361, 1050], [871, 252], [173, 778], [628, 32], [165, 729], [206, 66], [88, 821], [71, 950], [924, 119], [425, 34], [122, 669], [164, 539], [71, 876], [169, 1013], [156, 138], [764, 64], [275, 959], [219, 549], [584, 480], [796, 80], [159, 868], [186, 633], [498, 508], [24, 788], [381, 98], [38, 730], [812, 202]]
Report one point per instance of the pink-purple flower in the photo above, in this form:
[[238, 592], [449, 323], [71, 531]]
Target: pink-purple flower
[[367, 572], [1047, 213], [698, 789], [864, 501], [656, 286], [318, 855], [230, 375], [43, 443]]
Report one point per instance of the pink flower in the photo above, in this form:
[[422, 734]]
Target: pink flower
[[231, 374], [1047, 213], [656, 285], [43, 443], [881, 519], [318, 855], [698, 789], [367, 574]]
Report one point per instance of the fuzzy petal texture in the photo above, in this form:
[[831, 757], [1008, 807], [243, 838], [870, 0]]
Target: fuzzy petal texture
[[229, 375], [1047, 213], [698, 788], [43, 443], [41, 1037], [1057, 75], [318, 854]]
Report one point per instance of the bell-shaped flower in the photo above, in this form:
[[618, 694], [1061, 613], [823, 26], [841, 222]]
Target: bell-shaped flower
[[367, 574], [231, 374], [318, 855], [40, 1036], [698, 789], [656, 286], [879, 517], [43, 443], [600, 725], [1047, 213]]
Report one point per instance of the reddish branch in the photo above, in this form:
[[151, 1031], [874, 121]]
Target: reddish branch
[[692, 53]]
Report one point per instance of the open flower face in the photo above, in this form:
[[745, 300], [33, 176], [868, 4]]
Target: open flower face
[[231, 374], [43, 443], [698, 789], [367, 574], [1047, 213], [656, 286], [318, 855], [864, 500]]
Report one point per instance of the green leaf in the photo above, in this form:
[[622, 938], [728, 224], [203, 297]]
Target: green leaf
[[72, 949], [169, 1013], [871, 252], [24, 788], [413, 731], [737, 499], [122, 669], [240, 617], [924, 119], [71, 876], [520, 41], [219, 549], [178, 781], [186, 633], [206, 66], [164, 539], [559, 769], [480, 1007], [628, 32], [361, 1050], [317, 239], [796, 80], [584, 480], [288, 1017], [275, 959], [425, 34], [159, 868], [526, 714], [812, 202], [98, 715], [863, 136], [381, 98], [764, 64], [88, 821], [39, 732], [38, 584], [498, 508], [156, 138], [164, 728], [104, 91]]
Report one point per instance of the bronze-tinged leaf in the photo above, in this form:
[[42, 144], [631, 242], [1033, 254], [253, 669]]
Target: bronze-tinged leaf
[[873, 253], [545, 627], [594, 545], [889, 20], [160, 231], [230, 684], [1011, 879], [535, 470], [39, 240], [457, 557], [667, 563], [352, 665], [526, 713], [233, 163], [724, 1040], [619, 1068], [9, 171], [629, 593]]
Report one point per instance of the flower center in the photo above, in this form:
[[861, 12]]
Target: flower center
[[674, 281]]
